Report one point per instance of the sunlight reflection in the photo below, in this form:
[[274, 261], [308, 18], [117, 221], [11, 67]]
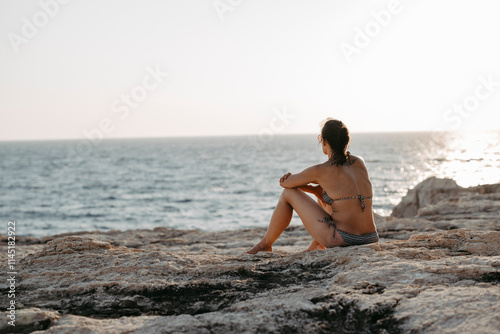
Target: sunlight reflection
[[471, 159]]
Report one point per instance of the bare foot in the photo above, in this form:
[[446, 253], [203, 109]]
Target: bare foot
[[260, 247], [315, 246]]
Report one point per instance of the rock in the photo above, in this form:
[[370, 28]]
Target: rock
[[72, 244], [437, 277], [99, 287], [437, 209], [427, 192], [460, 241], [452, 306], [28, 320]]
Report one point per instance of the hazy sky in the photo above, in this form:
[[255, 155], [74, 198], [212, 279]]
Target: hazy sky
[[245, 67]]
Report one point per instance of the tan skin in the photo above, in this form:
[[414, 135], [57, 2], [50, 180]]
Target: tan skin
[[350, 179]]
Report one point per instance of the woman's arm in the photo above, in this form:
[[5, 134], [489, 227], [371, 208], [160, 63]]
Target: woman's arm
[[308, 175], [315, 190]]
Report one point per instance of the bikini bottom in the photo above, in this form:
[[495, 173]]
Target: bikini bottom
[[351, 239]]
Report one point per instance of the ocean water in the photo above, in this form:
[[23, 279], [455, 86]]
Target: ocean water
[[212, 183]]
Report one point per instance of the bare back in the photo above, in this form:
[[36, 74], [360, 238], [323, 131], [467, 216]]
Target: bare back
[[349, 180]]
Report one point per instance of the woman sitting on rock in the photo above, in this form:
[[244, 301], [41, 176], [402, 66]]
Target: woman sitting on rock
[[343, 215]]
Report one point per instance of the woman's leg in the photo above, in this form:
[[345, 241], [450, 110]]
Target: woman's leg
[[315, 245], [280, 220], [309, 212]]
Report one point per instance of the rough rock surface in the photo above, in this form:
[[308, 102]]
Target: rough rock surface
[[442, 278], [444, 196], [440, 204], [427, 192]]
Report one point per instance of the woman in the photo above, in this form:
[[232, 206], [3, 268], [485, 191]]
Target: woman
[[343, 215]]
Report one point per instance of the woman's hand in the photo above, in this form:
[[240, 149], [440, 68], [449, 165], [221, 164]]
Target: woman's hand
[[284, 177]]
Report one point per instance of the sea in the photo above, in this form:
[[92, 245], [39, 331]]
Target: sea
[[210, 183]]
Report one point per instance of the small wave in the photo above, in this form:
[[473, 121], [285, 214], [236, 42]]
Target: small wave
[[169, 208], [34, 213], [48, 227], [101, 227], [186, 200], [90, 215]]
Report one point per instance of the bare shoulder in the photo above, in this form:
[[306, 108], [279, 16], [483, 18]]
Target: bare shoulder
[[313, 170], [358, 159], [320, 169], [324, 169]]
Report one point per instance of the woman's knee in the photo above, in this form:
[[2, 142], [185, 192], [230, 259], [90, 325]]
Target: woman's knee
[[287, 192]]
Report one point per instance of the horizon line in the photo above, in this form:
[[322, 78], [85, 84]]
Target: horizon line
[[238, 135]]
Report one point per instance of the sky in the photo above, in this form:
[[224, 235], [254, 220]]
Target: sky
[[72, 69]]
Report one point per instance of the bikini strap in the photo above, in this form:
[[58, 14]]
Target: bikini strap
[[360, 197], [330, 221], [343, 198]]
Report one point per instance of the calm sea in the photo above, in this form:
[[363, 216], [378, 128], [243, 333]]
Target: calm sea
[[212, 183]]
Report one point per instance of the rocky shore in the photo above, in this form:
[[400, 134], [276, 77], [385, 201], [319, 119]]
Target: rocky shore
[[435, 270]]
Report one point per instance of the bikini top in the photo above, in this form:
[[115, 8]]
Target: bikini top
[[361, 198]]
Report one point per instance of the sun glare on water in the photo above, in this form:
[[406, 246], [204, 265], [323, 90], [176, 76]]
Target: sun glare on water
[[471, 158]]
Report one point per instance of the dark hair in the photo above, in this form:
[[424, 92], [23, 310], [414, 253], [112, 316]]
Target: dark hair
[[337, 136]]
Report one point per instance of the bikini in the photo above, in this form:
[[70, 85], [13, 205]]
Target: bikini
[[349, 239]]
